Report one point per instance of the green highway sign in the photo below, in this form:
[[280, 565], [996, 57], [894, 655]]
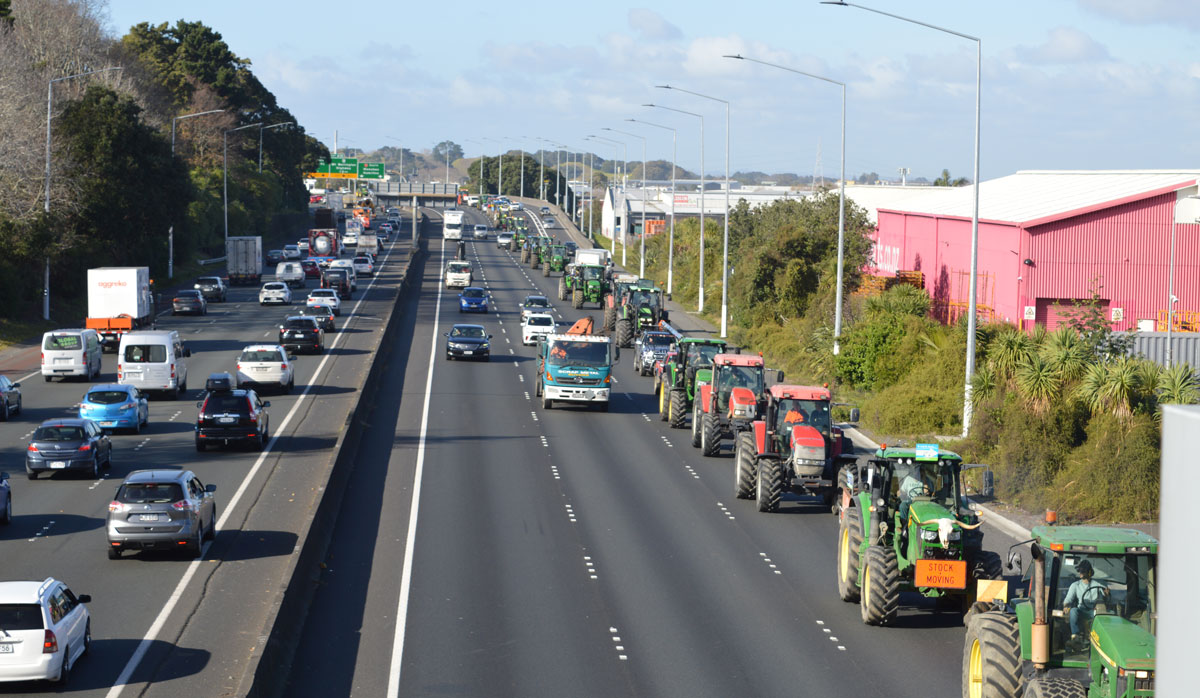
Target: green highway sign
[[339, 166], [370, 170]]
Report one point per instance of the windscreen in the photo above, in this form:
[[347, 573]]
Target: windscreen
[[209, 280], [473, 293], [296, 323], [235, 404], [702, 354], [189, 295], [537, 302], [261, 355], [541, 321], [274, 286], [62, 342], [473, 332], [107, 397], [20, 616], [150, 493], [741, 377], [565, 353], [813, 413], [592, 273], [145, 353], [459, 267], [59, 433], [657, 340]]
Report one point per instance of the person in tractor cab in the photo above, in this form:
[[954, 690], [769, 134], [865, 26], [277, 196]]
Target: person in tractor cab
[[1082, 597]]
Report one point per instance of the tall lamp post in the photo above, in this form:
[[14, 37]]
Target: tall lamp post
[[971, 303], [189, 116], [642, 253], [700, 304], [725, 257], [260, 138], [49, 106], [393, 138], [613, 242], [225, 171], [841, 256], [671, 239]]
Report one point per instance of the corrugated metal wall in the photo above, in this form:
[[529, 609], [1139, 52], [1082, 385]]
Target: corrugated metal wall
[[1185, 347]]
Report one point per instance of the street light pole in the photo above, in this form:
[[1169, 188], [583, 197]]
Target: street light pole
[[49, 107], [188, 116], [841, 256], [642, 253], [613, 242], [260, 138], [671, 239], [971, 303], [225, 172], [700, 304], [725, 256]]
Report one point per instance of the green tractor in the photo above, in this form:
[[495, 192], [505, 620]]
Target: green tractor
[[904, 526], [640, 309], [556, 260], [539, 251], [678, 382], [1082, 623], [612, 308], [519, 238], [583, 283]]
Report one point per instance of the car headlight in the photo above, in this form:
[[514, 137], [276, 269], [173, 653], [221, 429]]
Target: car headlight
[[929, 535], [483, 346]]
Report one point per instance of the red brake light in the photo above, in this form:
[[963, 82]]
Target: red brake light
[[182, 505], [43, 357], [50, 643], [116, 506]]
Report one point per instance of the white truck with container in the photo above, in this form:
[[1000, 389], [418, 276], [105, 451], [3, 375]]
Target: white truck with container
[[244, 259], [368, 241], [452, 225], [120, 300]]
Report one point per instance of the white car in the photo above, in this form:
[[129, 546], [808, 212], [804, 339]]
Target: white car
[[266, 365], [534, 305], [302, 245], [481, 232], [363, 265], [291, 252], [44, 629], [275, 292], [325, 296], [350, 239], [535, 324], [458, 274]]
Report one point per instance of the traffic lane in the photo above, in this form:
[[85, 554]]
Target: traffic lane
[[508, 610], [53, 550]]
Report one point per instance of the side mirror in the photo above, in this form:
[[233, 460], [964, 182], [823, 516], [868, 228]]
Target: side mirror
[[267, 403], [668, 296], [445, 334], [854, 414], [779, 376], [210, 488], [84, 598], [1014, 561], [489, 336], [291, 358], [16, 385]]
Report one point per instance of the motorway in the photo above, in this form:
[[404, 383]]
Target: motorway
[[161, 624], [495, 548]]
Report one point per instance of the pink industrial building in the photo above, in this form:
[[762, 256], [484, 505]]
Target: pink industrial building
[[1045, 235]]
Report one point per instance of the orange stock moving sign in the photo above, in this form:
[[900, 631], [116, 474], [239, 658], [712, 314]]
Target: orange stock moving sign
[[941, 574]]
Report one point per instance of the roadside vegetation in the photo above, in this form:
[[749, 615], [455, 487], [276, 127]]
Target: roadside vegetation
[[116, 187], [1066, 419]]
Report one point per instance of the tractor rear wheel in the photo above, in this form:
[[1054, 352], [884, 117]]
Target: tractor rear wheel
[[1055, 688], [881, 586], [710, 436], [745, 468], [664, 401], [769, 484], [577, 299], [545, 268], [610, 318], [678, 409], [512, 245], [991, 664], [562, 288], [697, 419], [849, 544], [524, 256], [624, 333]]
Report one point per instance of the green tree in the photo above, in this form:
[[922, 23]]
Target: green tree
[[6, 16], [946, 181], [447, 148]]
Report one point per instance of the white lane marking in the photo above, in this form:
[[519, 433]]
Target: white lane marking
[[393, 688], [156, 627], [22, 379]]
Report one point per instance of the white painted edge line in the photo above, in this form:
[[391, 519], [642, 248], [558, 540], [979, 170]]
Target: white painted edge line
[[410, 541], [156, 627]]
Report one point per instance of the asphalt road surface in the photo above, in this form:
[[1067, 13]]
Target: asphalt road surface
[[163, 624], [569, 552]]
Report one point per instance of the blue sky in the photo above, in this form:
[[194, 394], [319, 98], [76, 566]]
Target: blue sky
[[1089, 84]]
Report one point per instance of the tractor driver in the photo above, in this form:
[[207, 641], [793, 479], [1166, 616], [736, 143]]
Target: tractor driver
[[913, 485], [1082, 597]]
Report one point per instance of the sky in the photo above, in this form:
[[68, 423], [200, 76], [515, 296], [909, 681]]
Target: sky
[[1066, 84]]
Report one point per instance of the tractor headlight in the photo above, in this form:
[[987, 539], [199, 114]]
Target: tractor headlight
[[956, 535], [743, 411], [929, 535]]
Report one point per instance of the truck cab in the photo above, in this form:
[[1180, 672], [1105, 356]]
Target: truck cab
[[575, 368]]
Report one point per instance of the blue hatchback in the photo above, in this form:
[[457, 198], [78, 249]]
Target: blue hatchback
[[115, 406], [473, 299]]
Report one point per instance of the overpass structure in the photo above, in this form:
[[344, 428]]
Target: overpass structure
[[429, 194]]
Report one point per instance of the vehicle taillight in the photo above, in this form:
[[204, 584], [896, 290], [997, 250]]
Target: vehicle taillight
[[85, 447], [172, 370], [283, 366], [50, 643], [117, 507], [43, 357], [183, 505]]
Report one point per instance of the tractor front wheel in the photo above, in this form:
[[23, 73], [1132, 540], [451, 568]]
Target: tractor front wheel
[[545, 268], [577, 299], [986, 564], [624, 333], [697, 419], [678, 409], [664, 401], [745, 469], [881, 586], [610, 318], [1055, 688], [992, 656], [770, 484], [710, 437], [562, 288], [849, 545]]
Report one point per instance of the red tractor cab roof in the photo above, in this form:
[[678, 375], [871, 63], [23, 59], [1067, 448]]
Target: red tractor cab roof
[[799, 392], [738, 360]]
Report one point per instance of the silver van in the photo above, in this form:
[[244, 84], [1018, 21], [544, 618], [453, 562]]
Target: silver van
[[153, 361], [71, 353], [290, 273]]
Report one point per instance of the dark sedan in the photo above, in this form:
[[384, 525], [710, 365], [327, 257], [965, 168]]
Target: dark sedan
[[323, 314], [189, 302], [274, 257], [468, 341], [68, 444]]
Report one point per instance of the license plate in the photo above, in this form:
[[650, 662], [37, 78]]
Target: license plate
[[941, 574], [260, 368], [226, 420], [468, 353], [58, 464], [148, 517], [60, 361], [108, 424], [133, 374], [6, 648]]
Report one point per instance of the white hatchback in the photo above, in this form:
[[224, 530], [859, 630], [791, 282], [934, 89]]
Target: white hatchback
[[325, 296], [266, 365], [275, 292], [44, 629], [363, 265], [536, 324]]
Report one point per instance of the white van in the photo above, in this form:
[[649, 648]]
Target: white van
[[348, 265], [290, 273], [153, 361], [71, 353]]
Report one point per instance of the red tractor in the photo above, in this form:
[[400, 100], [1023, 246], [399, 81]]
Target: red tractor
[[735, 398], [794, 447]]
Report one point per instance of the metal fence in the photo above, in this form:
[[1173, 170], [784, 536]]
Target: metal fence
[[1185, 347]]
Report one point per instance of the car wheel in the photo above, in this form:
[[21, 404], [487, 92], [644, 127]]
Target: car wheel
[[46, 378], [95, 469], [87, 638], [64, 674], [201, 447], [196, 545], [114, 553], [20, 403], [4, 411], [137, 425], [6, 514], [32, 474]]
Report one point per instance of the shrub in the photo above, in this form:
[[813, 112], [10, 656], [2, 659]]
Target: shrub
[[1113, 475]]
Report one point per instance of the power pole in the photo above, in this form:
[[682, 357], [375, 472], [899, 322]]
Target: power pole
[[903, 175]]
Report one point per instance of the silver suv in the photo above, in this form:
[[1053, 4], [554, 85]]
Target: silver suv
[[161, 509]]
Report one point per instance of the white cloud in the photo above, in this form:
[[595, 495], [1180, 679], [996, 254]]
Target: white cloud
[[651, 25], [1064, 45], [1174, 13]]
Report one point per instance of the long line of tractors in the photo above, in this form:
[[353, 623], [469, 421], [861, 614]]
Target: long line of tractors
[[1079, 622]]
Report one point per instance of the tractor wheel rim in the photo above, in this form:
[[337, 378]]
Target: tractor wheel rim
[[844, 556], [975, 685], [867, 585]]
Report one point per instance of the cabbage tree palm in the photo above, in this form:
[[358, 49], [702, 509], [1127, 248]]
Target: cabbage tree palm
[[1178, 386], [1038, 381]]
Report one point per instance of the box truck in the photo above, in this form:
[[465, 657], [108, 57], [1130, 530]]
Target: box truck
[[119, 301], [244, 259]]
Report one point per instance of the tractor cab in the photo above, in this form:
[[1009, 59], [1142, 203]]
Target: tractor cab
[[732, 371], [916, 488], [732, 402]]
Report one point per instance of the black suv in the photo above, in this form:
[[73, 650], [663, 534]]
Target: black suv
[[302, 332], [212, 288], [5, 500], [232, 416]]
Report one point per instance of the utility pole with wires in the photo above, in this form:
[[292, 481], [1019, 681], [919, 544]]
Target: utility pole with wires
[[904, 172]]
